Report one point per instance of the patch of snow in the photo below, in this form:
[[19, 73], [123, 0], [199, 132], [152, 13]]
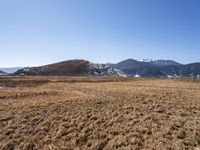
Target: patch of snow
[[169, 76], [145, 60], [137, 76], [175, 76]]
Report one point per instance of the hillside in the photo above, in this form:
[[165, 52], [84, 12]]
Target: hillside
[[71, 68]]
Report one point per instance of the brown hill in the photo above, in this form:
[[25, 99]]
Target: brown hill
[[69, 68]]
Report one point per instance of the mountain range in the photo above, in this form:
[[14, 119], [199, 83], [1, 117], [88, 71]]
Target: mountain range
[[157, 68], [129, 67]]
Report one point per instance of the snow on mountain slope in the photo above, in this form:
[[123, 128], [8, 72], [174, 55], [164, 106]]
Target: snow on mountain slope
[[104, 70], [145, 60], [160, 62], [165, 63]]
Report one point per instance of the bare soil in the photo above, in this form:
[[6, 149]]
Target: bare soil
[[55, 113]]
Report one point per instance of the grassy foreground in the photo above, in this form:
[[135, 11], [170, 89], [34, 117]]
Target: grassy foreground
[[98, 113]]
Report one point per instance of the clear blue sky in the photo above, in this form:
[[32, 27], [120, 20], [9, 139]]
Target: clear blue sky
[[37, 32]]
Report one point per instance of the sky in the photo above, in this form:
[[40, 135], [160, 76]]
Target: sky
[[38, 32]]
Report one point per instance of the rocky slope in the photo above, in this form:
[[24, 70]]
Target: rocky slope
[[104, 70]]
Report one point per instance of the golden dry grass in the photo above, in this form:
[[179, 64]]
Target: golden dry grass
[[94, 114]]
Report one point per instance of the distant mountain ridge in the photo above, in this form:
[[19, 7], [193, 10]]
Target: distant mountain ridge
[[2, 73], [157, 68], [10, 69]]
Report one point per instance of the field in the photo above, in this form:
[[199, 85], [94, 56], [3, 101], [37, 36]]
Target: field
[[55, 113]]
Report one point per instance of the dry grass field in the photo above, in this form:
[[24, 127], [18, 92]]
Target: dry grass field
[[60, 113]]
